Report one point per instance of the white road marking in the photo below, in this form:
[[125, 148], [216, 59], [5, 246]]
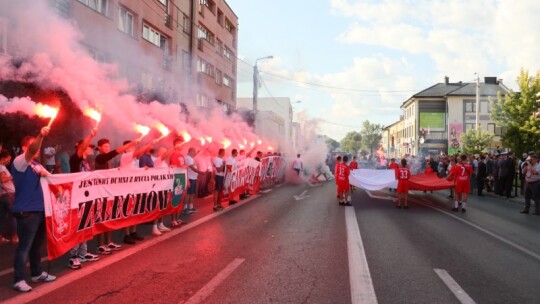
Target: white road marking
[[454, 287], [498, 237], [91, 267], [390, 198], [301, 196], [362, 290], [266, 191], [207, 289]]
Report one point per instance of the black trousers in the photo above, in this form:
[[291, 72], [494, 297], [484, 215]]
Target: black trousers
[[508, 186]]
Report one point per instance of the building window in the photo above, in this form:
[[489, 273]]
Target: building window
[[219, 77], [185, 60], [205, 68], [227, 81], [491, 128], [164, 2], [155, 37], [470, 106], [469, 126], [202, 101], [229, 26], [228, 53], [204, 33], [99, 6], [220, 17], [186, 24], [147, 81], [125, 21], [202, 4], [484, 104], [219, 47], [3, 36]]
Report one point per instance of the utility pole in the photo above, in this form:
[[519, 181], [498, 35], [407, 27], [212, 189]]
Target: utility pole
[[477, 125], [256, 87]]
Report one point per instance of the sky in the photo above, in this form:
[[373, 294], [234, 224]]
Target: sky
[[348, 61]]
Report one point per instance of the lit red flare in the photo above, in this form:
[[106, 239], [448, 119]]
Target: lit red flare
[[203, 141], [45, 111], [143, 130], [209, 139], [270, 148], [245, 141], [252, 144], [226, 143], [186, 136], [259, 141], [241, 146], [95, 115], [162, 129]]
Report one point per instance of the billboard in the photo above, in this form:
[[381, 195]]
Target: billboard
[[434, 121], [454, 138]]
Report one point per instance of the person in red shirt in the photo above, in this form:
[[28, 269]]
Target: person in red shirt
[[461, 173], [342, 181], [353, 166], [402, 175], [393, 166], [338, 162]]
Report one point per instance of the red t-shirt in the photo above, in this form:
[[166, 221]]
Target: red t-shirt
[[177, 160], [462, 172], [342, 173], [353, 165], [394, 166], [403, 173]]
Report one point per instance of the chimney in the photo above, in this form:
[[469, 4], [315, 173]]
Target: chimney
[[490, 80], [446, 80]]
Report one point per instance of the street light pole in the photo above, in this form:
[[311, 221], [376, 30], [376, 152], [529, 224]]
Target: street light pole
[[256, 86], [477, 125]]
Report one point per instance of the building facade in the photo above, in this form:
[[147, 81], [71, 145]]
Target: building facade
[[434, 119], [181, 51], [274, 118]]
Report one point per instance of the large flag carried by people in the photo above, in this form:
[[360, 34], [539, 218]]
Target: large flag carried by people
[[81, 205], [380, 179]]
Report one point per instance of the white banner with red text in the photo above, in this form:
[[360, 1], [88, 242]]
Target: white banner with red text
[[79, 206], [250, 174]]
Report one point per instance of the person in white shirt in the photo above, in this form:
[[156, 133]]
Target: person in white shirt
[[192, 174], [50, 161], [297, 164], [7, 198], [231, 166], [219, 167], [130, 159]]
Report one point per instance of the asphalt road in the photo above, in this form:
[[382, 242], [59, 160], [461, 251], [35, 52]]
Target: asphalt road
[[276, 249]]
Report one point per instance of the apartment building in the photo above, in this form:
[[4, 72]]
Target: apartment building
[[181, 51], [434, 119], [216, 42]]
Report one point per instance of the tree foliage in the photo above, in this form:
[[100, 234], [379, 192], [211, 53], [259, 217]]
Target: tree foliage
[[519, 114], [476, 141], [352, 142], [332, 144], [371, 135]]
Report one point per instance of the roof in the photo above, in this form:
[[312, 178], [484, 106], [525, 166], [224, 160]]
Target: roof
[[461, 89]]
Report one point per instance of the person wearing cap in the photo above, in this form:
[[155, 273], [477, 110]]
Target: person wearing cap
[[531, 168], [78, 163]]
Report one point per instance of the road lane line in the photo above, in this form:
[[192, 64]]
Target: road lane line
[[454, 287], [207, 289], [362, 290], [498, 237], [91, 267]]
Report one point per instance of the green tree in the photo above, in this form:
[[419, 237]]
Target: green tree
[[518, 113], [371, 135], [352, 142], [332, 144], [476, 141]]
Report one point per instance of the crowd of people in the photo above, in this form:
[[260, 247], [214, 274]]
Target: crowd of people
[[498, 173], [22, 216]]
